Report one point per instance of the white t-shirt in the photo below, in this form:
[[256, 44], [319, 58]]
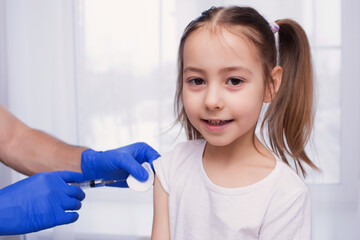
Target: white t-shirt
[[275, 208]]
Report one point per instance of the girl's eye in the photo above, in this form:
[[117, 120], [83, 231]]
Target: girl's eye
[[234, 81], [197, 81]]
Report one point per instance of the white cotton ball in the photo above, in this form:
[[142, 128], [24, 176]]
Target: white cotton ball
[[138, 186]]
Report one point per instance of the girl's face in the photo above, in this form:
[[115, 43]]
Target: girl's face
[[223, 87]]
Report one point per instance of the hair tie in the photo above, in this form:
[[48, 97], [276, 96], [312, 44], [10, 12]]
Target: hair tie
[[274, 27], [206, 12]]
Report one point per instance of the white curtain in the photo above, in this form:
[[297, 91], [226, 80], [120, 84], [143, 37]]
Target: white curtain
[[37, 74], [102, 74]]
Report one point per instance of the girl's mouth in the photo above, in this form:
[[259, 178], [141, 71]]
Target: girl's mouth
[[217, 122]]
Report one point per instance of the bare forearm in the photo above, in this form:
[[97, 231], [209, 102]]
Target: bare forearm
[[35, 151], [30, 151]]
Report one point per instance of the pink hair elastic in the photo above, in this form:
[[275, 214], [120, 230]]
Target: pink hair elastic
[[274, 27]]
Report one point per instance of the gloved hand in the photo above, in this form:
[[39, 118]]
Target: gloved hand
[[39, 202], [116, 164]]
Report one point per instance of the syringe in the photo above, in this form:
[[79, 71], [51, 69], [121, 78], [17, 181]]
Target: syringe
[[95, 183], [132, 182]]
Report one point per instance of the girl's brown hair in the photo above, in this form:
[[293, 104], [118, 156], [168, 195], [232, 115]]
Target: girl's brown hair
[[289, 117]]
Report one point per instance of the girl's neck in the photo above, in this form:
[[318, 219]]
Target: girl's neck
[[238, 164], [241, 150]]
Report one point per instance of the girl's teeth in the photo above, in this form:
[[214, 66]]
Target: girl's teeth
[[219, 122]]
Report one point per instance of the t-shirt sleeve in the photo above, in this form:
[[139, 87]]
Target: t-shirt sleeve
[[166, 167], [291, 220], [162, 171]]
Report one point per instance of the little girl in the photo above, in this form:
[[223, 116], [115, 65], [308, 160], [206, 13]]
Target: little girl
[[224, 183]]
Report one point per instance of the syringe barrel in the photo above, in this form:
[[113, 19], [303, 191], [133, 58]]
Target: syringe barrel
[[90, 184]]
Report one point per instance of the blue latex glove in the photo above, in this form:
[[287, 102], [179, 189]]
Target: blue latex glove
[[116, 164], [39, 202]]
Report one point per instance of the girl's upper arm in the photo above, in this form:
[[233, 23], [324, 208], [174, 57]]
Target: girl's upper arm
[[161, 226]]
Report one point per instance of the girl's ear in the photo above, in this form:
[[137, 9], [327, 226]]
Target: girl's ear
[[273, 87]]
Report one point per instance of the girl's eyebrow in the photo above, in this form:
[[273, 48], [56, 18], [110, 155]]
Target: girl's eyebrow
[[227, 69], [236, 68], [193, 69]]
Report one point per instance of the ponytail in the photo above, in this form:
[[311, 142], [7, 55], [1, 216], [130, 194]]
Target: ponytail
[[290, 115]]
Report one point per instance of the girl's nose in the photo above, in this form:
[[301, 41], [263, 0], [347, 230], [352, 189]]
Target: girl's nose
[[213, 99]]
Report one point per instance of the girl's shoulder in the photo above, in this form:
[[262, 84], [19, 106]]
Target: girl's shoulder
[[288, 193], [183, 148], [288, 173], [183, 151], [287, 182], [179, 160], [189, 145]]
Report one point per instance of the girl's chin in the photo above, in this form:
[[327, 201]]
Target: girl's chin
[[218, 142]]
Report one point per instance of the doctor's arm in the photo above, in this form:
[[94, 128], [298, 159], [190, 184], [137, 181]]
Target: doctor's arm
[[161, 225], [45, 199], [30, 151]]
